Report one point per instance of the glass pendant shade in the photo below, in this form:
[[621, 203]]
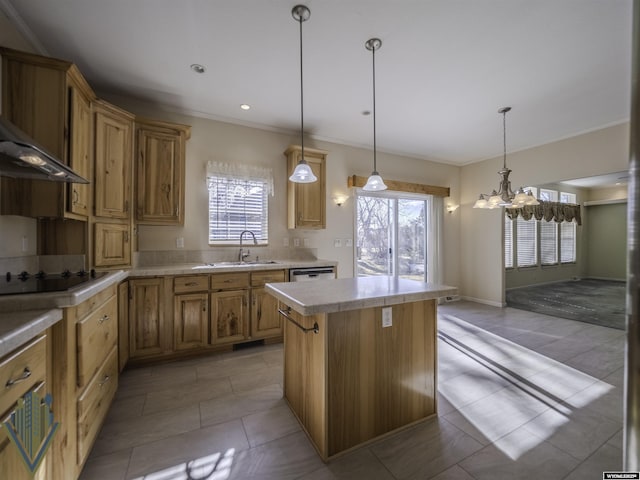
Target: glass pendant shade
[[521, 198], [374, 183], [531, 200], [303, 173], [494, 199], [481, 202]]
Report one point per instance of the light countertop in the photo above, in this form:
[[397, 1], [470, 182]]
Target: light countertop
[[225, 267], [17, 328], [343, 294]]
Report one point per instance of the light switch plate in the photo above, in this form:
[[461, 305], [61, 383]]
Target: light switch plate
[[348, 242], [180, 242], [285, 242], [386, 317], [296, 242], [337, 243]]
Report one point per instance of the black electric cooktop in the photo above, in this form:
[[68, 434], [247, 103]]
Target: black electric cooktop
[[42, 282]]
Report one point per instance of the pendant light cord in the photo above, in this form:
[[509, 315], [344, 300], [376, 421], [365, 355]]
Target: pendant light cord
[[301, 95], [373, 52], [504, 138]]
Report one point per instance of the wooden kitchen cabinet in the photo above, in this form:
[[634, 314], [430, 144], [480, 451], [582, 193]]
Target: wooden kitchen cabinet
[[191, 312], [306, 202], [149, 334], [265, 319], [229, 307], [113, 160], [50, 101], [21, 371], [123, 324], [160, 165], [112, 244]]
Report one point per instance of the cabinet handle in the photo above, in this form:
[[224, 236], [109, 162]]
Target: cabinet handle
[[191, 284], [299, 216], [75, 196], [126, 237], [105, 379], [12, 381], [204, 306], [126, 206], [227, 281], [103, 319]]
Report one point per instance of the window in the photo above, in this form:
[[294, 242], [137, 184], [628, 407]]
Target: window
[[532, 243], [238, 201], [391, 233]]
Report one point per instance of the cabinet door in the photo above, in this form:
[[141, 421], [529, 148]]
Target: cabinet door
[[307, 201], [146, 317], [265, 319], [113, 137], [191, 321], [160, 177], [112, 245], [79, 152], [229, 316]]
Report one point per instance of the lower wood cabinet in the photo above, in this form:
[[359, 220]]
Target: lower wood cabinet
[[265, 320], [229, 316], [190, 321], [21, 371], [84, 378], [149, 334]]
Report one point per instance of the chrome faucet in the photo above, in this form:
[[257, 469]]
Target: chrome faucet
[[242, 254]]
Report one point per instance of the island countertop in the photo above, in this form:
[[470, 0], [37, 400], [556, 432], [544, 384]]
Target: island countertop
[[343, 294]]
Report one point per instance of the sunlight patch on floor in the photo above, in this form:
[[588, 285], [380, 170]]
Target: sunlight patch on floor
[[216, 466], [534, 384]]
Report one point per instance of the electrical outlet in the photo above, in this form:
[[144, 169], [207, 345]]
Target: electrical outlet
[[348, 242], [386, 317], [285, 242], [25, 244], [180, 242], [296, 242], [337, 243], [305, 242]]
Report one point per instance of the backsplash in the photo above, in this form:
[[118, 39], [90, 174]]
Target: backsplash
[[221, 254], [46, 263]]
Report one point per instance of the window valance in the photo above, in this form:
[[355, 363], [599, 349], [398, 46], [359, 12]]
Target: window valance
[[240, 171], [560, 212]]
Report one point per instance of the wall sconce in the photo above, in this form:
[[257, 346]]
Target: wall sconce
[[452, 208], [340, 198]]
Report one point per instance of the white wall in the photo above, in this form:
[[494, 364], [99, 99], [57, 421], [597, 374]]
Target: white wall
[[481, 251], [214, 140]]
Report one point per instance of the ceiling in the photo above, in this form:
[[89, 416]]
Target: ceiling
[[444, 68]]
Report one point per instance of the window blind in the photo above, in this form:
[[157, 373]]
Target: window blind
[[236, 205], [567, 242], [508, 242], [526, 245], [548, 242]]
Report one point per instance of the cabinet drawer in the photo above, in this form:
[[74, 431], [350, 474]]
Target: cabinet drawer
[[94, 403], [94, 302], [96, 334], [258, 279], [191, 283], [22, 369], [226, 281]]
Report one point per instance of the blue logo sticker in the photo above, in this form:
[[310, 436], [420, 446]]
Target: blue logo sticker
[[31, 428]]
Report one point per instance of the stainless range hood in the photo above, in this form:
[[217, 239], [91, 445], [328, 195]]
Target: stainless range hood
[[22, 157]]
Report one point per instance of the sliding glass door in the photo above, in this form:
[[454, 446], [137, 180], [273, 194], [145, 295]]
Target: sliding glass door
[[391, 235]]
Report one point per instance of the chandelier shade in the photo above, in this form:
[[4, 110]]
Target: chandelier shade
[[302, 173], [375, 182], [505, 196]]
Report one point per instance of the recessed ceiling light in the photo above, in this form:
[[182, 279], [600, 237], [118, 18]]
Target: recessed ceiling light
[[196, 67], [618, 183], [366, 112], [245, 106]]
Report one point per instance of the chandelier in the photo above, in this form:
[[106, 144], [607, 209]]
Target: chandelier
[[504, 196]]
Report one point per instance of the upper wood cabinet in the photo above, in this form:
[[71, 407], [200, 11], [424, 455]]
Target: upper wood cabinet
[[50, 101], [112, 244], [113, 160], [160, 165], [306, 202]]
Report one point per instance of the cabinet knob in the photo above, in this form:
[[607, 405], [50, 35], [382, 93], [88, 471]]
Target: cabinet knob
[[105, 379], [103, 319]]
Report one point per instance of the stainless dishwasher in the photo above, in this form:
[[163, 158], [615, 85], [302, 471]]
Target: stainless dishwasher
[[311, 273]]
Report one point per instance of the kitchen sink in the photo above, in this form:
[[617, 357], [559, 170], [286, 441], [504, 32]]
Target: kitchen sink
[[239, 264]]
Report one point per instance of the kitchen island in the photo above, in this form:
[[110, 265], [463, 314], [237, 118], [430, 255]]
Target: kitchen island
[[359, 356]]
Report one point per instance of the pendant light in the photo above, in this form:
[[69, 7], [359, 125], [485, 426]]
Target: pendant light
[[375, 182], [504, 196], [302, 172]]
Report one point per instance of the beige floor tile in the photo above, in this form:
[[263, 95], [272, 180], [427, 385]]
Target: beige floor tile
[[267, 425], [112, 466], [140, 430], [231, 366], [243, 382], [454, 473], [428, 448], [210, 446], [176, 377], [125, 407], [234, 406], [606, 459], [188, 394]]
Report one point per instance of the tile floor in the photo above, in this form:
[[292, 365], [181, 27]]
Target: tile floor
[[521, 395]]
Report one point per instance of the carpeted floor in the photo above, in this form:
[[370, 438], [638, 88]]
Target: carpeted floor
[[601, 302]]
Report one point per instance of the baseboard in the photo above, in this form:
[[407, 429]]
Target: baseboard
[[484, 302], [607, 278]]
